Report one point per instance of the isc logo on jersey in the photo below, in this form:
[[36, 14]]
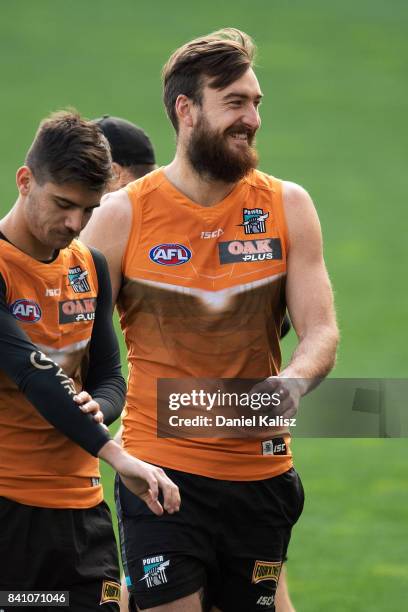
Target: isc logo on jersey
[[170, 254], [26, 311]]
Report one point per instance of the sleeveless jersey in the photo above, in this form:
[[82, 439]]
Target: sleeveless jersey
[[203, 296], [54, 303]]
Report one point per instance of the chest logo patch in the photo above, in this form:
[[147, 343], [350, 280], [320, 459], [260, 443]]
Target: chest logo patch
[[246, 251], [77, 278], [73, 311], [169, 254], [26, 311], [254, 220]]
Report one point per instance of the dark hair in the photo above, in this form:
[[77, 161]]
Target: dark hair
[[223, 56], [139, 170], [69, 149]]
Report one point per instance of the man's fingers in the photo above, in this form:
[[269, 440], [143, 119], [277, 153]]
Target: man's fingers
[[147, 481], [82, 397], [93, 408], [153, 486], [153, 504], [171, 493]]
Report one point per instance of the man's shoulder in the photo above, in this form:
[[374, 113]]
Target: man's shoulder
[[146, 184], [262, 180], [291, 192]]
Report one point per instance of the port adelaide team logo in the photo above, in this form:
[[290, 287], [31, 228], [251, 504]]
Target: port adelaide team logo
[[154, 571], [254, 220], [26, 311], [169, 254], [77, 278]]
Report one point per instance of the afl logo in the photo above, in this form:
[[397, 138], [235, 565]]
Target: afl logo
[[170, 254], [26, 311]]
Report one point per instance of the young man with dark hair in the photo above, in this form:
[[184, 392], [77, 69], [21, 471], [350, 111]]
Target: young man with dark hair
[[60, 379], [210, 253]]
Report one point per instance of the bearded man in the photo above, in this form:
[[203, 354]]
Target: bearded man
[[205, 256]]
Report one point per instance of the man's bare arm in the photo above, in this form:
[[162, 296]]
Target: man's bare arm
[[308, 291], [108, 231]]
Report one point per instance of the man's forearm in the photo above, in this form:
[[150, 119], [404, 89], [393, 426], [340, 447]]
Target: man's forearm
[[314, 357]]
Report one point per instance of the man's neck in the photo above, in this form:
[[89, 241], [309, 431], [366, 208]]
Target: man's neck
[[206, 192], [14, 229]]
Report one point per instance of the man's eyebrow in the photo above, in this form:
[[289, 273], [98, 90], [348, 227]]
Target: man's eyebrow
[[242, 96], [71, 203]]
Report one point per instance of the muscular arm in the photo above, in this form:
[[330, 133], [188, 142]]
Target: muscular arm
[[104, 380], [108, 231], [44, 383], [308, 291]]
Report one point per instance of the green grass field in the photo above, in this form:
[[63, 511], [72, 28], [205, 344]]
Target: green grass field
[[334, 120]]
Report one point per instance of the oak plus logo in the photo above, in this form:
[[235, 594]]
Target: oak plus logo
[[26, 311], [74, 311], [169, 254], [247, 251]]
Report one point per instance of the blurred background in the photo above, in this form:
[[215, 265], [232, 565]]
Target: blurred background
[[334, 120]]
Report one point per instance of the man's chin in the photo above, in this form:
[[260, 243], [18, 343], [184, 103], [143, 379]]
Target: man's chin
[[61, 242]]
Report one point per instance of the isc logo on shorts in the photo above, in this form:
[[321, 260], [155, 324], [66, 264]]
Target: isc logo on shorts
[[26, 311], [265, 600], [170, 254]]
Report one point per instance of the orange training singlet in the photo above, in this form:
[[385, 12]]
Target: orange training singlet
[[54, 303], [203, 296]]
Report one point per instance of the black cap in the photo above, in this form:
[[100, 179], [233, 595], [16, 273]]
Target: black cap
[[129, 143]]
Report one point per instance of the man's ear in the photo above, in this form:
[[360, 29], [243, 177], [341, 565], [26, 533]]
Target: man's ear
[[24, 180], [116, 171], [184, 110]]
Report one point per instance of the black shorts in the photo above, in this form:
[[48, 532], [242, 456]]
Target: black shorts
[[60, 550], [228, 539]]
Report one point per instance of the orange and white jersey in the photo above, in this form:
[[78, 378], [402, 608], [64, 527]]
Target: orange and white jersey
[[54, 303], [203, 296]]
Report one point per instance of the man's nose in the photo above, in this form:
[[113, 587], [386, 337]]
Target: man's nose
[[251, 117], [74, 221]]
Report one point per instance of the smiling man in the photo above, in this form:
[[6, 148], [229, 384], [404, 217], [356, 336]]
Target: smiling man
[[60, 379], [209, 253]]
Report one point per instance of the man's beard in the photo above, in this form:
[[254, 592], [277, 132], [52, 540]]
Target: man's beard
[[211, 156]]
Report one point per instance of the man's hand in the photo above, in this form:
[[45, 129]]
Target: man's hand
[[89, 406], [142, 479], [289, 390]]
